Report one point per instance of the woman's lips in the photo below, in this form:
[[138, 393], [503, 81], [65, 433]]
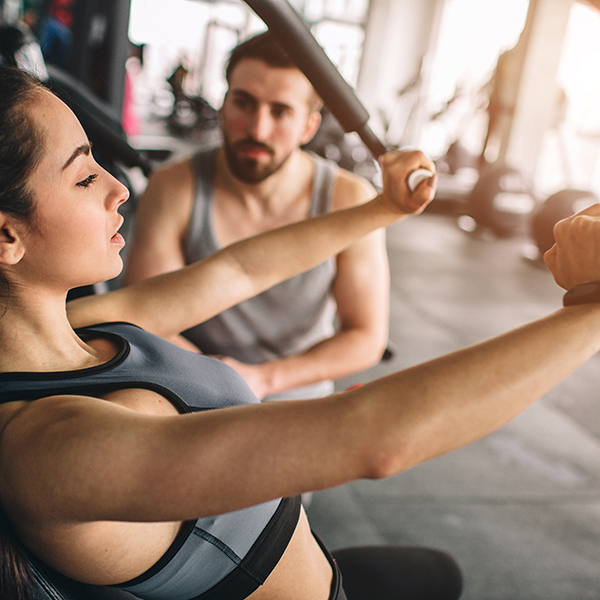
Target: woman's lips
[[118, 239]]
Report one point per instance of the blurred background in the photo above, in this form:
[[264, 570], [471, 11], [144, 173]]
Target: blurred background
[[471, 82], [505, 96], [474, 83]]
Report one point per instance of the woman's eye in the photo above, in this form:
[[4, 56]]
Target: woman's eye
[[88, 180]]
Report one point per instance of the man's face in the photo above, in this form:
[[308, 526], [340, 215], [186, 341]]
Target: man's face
[[265, 116]]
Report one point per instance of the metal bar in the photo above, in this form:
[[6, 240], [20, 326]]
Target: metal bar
[[339, 97]]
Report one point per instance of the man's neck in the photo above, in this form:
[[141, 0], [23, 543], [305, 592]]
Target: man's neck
[[275, 193]]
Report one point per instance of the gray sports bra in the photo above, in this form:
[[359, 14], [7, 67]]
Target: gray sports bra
[[221, 557]]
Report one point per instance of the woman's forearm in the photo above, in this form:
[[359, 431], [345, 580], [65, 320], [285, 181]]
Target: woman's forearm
[[172, 302], [382, 428], [216, 461], [456, 399], [283, 253]]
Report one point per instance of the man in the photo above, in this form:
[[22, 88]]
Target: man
[[294, 339]]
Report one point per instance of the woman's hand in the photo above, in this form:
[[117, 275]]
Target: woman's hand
[[575, 257], [396, 194]]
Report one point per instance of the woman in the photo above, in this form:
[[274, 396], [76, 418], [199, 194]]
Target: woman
[[103, 478]]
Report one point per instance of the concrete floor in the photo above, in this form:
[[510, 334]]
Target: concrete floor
[[520, 509]]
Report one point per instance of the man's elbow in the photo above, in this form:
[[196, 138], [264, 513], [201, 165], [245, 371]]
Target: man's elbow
[[373, 348]]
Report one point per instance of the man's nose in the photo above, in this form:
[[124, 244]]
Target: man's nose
[[261, 124]]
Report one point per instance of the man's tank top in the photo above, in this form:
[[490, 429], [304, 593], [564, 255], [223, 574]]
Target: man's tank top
[[219, 557], [285, 320]]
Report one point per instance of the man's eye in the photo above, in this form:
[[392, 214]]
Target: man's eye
[[280, 113], [88, 180], [242, 103]]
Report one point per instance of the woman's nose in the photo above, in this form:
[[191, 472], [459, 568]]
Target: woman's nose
[[118, 194]]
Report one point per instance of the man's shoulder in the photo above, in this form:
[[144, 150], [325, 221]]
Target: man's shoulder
[[170, 182], [174, 172], [340, 172], [351, 189]]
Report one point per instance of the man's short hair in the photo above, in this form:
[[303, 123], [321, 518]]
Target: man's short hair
[[266, 48]]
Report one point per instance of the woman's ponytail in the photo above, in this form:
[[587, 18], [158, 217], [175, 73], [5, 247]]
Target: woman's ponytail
[[15, 574], [21, 147]]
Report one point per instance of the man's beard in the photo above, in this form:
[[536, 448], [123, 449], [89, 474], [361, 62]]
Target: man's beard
[[249, 170]]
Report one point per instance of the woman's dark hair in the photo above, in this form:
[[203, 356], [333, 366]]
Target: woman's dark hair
[[15, 573], [21, 149], [21, 144]]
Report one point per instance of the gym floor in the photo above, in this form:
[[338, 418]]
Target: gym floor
[[520, 509]]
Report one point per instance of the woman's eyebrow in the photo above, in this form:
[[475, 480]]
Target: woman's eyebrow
[[83, 149]]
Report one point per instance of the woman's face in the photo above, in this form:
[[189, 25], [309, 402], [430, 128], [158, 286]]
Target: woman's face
[[75, 240]]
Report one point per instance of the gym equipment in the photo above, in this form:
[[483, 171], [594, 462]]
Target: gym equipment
[[293, 34], [502, 201], [339, 97], [19, 48], [348, 151], [558, 206], [416, 178]]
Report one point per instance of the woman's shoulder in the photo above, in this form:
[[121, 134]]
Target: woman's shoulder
[[96, 309]]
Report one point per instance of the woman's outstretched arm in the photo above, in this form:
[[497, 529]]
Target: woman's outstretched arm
[[226, 459], [173, 302], [144, 468]]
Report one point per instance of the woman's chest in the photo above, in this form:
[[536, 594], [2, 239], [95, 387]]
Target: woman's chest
[[141, 400]]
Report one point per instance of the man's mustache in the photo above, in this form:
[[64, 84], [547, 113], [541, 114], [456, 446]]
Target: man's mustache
[[250, 144]]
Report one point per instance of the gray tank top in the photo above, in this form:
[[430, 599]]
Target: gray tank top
[[285, 320]]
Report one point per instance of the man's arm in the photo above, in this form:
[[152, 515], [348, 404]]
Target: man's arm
[[361, 293]]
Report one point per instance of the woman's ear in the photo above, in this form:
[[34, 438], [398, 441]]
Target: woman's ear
[[12, 248]]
